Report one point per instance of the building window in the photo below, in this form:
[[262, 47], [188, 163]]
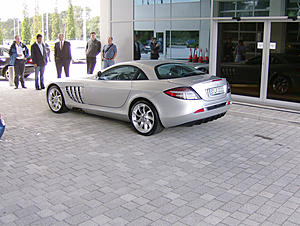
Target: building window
[[248, 8], [293, 8]]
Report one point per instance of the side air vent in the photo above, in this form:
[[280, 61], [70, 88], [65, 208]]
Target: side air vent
[[74, 92]]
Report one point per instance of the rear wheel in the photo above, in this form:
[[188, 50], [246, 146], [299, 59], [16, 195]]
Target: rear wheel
[[144, 118], [56, 100]]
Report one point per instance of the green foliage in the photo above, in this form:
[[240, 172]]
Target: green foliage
[[70, 31], [93, 25], [59, 22], [55, 25], [8, 29], [36, 27], [1, 33], [26, 28]]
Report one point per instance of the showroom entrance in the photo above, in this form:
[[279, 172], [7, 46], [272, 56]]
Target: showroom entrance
[[260, 59]]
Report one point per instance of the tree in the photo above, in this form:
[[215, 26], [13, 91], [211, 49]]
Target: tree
[[55, 24], [70, 29], [1, 33], [8, 29], [93, 24], [37, 25], [26, 33]]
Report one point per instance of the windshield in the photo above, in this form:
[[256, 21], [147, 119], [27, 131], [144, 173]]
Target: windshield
[[175, 70]]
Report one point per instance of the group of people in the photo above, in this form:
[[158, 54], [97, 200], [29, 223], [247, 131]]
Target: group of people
[[62, 56], [239, 51], [154, 49]]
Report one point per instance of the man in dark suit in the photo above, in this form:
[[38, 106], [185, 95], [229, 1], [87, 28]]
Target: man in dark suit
[[136, 49], [62, 55], [39, 59]]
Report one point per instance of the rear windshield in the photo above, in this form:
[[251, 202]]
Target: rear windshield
[[175, 70]]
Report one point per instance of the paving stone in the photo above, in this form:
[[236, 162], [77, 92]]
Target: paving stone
[[142, 221], [278, 218], [86, 170], [8, 218], [211, 219], [77, 219], [192, 219], [204, 211], [101, 219]]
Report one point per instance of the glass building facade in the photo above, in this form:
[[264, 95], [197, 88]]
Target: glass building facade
[[254, 44]]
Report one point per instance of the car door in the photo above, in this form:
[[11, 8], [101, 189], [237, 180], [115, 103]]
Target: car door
[[112, 87]]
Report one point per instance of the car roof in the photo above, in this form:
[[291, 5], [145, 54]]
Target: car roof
[[147, 65]]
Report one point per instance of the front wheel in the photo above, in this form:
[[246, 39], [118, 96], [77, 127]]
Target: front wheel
[[6, 73], [56, 100], [280, 84], [144, 118]]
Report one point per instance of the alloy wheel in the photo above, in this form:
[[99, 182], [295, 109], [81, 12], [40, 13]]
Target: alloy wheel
[[55, 99], [143, 118], [280, 85]]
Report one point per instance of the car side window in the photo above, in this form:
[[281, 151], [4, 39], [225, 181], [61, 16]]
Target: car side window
[[121, 73], [140, 75]]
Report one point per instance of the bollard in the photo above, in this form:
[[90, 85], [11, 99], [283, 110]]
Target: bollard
[[11, 74]]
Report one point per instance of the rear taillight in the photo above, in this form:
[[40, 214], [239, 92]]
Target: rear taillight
[[184, 93], [216, 80]]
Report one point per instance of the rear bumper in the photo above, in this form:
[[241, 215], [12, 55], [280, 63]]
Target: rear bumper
[[173, 112]]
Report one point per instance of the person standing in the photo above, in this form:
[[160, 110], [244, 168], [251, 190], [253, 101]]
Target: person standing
[[228, 51], [62, 55], [240, 52], [93, 48], [154, 46], [109, 53], [137, 48], [39, 59], [18, 53], [48, 51]]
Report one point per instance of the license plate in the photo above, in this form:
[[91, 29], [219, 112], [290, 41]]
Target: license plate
[[216, 91]]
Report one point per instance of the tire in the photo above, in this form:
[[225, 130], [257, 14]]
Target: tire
[[6, 74], [143, 113], [280, 84], [56, 101]]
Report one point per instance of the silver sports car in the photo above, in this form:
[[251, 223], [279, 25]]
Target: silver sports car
[[152, 95]]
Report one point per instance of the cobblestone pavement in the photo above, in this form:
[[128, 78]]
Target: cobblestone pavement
[[79, 169]]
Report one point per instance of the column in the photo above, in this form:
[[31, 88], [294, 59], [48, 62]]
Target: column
[[116, 20]]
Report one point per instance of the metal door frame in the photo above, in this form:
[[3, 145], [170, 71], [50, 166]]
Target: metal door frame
[[262, 99]]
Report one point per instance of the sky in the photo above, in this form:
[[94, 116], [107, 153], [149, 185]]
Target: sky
[[14, 8]]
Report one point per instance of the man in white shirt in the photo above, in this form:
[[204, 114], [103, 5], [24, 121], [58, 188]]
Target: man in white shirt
[[39, 59], [18, 53]]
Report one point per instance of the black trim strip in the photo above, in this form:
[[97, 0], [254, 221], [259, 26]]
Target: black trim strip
[[79, 92]]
